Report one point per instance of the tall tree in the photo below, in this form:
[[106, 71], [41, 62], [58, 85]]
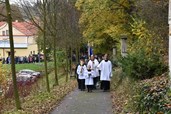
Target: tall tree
[[44, 40], [63, 27], [38, 16], [9, 20], [155, 15]]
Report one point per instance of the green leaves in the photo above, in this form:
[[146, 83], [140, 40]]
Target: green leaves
[[100, 19], [153, 98], [141, 66]]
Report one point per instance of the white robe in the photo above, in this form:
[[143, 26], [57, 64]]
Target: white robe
[[81, 71], [94, 66], [106, 70], [89, 78]]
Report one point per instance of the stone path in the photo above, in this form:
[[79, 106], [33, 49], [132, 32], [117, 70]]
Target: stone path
[[81, 102]]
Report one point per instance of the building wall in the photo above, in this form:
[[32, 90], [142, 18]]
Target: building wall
[[31, 40], [1, 53], [32, 49], [20, 39]]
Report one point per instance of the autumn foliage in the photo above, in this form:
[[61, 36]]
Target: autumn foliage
[[3, 78]]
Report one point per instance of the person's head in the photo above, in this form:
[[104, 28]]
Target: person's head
[[81, 61], [92, 58], [103, 57], [106, 57]]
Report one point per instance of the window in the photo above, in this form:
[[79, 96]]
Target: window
[[7, 32], [3, 33]]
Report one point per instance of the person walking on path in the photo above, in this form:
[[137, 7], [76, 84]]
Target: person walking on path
[[105, 67], [92, 64], [81, 71], [89, 79]]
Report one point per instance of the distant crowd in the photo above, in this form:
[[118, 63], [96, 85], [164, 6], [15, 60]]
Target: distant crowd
[[23, 59]]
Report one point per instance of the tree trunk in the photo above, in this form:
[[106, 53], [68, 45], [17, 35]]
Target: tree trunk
[[9, 18], [79, 53], [71, 62], [54, 46], [44, 45], [77, 58], [67, 65], [55, 63]]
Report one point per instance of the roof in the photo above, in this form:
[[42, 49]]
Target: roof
[[2, 23], [27, 28]]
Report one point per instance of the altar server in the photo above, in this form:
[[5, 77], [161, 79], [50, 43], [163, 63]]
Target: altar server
[[106, 73], [89, 79], [92, 64], [81, 71]]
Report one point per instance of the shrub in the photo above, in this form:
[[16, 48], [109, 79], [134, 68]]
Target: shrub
[[141, 66], [3, 79], [153, 97]]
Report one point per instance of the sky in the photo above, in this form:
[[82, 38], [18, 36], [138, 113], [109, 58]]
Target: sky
[[15, 1]]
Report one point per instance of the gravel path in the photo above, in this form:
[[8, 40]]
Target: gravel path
[[81, 102]]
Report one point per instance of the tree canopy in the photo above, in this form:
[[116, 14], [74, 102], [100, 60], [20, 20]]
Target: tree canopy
[[103, 20]]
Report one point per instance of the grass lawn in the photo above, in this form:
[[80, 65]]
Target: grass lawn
[[39, 67], [32, 66]]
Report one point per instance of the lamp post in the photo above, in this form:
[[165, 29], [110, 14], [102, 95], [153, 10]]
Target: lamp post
[[123, 46]]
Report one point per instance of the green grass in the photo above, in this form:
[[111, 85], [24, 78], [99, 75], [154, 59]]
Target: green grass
[[39, 67], [61, 79], [32, 66]]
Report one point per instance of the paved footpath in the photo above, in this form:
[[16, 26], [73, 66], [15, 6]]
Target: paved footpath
[[81, 102]]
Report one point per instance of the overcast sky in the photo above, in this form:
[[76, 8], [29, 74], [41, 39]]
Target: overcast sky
[[15, 1]]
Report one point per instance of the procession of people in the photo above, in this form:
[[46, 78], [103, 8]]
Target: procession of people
[[94, 73]]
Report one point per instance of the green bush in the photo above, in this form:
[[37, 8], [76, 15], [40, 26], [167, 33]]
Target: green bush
[[140, 66], [153, 97]]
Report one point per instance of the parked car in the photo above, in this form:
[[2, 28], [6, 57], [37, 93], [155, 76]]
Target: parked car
[[27, 75], [24, 78], [30, 72]]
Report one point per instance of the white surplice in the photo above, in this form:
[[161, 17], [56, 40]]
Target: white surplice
[[93, 65], [106, 70], [81, 71], [89, 78]]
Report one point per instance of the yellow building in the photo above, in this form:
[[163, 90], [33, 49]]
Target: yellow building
[[24, 34]]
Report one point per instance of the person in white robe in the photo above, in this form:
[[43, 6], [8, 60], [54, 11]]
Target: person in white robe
[[105, 67], [89, 79], [82, 72], [92, 64]]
